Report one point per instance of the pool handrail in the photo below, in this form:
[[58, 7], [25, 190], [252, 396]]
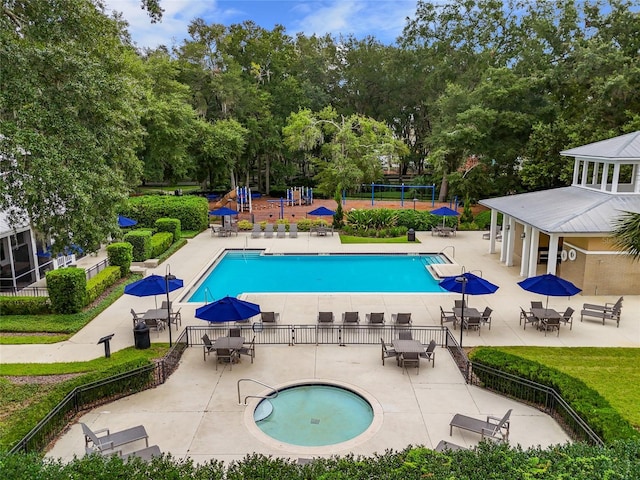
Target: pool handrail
[[274, 394]]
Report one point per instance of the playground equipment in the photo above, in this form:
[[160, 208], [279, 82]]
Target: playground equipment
[[243, 198], [402, 187], [299, 196], [224, 200]]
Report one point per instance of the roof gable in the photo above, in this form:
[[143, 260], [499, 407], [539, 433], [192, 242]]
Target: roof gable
[[624, 147]]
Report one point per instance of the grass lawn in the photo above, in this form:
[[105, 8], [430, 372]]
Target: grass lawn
[[613, 372], [25, 385], [352, 239]]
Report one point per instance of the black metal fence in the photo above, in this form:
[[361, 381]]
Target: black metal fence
[[24, 292], [98, 393], [316, 335], [93, 271]]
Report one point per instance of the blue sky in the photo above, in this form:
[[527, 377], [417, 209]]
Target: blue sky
[[383, 19]]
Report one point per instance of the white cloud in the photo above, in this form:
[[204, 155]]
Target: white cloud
[[176, 18]]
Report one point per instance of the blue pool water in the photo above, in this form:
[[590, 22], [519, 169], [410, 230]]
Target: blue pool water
[[315, 415], [250, 272]]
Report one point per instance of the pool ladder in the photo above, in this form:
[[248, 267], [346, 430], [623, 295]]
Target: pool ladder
[[273, 394]]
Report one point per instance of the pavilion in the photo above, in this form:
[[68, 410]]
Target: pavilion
[[569, 229]]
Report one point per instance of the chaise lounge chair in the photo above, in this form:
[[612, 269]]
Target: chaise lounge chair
[[282, 230], [268, 230], [293, 230], [257, 230], [350, 318], [325, 318], [401, 319], [493, 428], [109, 441], [375, 318], [608, 311], [270, 317]]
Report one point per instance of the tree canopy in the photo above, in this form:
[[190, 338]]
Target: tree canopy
[[501, 87]]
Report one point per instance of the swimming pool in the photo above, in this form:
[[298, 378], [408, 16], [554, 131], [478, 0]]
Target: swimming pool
[[314, 415], [253, 271]]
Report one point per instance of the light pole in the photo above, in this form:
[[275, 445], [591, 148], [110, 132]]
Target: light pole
[[414, 203], [167, 277], [463, 280]]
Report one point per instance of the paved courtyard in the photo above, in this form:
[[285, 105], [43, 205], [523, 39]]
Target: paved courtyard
[[196, 413]]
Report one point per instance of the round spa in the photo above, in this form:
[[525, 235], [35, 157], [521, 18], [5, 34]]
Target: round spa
[[314, 414]]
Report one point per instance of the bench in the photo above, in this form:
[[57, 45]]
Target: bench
[[494, 428], [608, 311]]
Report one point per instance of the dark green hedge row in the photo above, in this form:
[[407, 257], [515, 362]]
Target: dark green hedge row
[[24, 305], [67, 289], [621, 461], [192, 211], [141, 241], [120, 254], [160, 243], [603, 419], [97, 285], [171, 225]]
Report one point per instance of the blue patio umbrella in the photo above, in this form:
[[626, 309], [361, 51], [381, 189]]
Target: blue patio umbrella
[[467, 283], [124, 222], [444, 212], [227, 309], [222, 211], [549, 285], [322, 212], [152, 285], [474, 285]]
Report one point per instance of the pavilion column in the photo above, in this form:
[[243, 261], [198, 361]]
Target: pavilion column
[[505, 236], [576, 170], [511, 231], [552, 261], [605, 177], [585, 171], [616, 177], [493, 229], [526, 247], [533, 252]]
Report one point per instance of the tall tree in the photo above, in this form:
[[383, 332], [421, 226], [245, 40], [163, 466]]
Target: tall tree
[[69, 119], [347, 151], [626, 234]]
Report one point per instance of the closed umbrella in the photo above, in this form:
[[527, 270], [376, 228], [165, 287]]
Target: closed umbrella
[[444, 212], [227, 309], [549, 285]]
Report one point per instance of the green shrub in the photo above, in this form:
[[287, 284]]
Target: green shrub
[[245, 225], [67, 289], [467, 215], [120, 254], [141, 242], [160, 243], [192, 211], [175, 246], [483, 220], [103, 280], [24, 305], [171, 225], [605, 421]]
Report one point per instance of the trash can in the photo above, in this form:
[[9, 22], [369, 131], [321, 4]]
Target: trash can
[[411, 235], [141, 336]]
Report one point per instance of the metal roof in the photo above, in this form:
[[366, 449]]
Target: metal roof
[[567, 210], [624, 147], [6, 229]]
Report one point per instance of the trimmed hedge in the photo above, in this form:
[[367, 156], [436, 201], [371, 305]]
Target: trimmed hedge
[[141, 242], [103, 280], [171, 225], [67, 289], [24, 305], [160, 243], [120, 254], [603, 419], [192, 211], [574, 461]]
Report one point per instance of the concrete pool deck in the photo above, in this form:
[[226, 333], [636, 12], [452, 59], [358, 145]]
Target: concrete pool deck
[[186, 415]]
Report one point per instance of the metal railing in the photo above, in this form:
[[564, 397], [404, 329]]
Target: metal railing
[[97, 268], [541, 396], [316, 335], [98, 393], [25, 292]]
